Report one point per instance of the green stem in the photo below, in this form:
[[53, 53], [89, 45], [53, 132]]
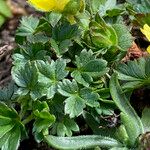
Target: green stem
[[70, 69], [28, 119]]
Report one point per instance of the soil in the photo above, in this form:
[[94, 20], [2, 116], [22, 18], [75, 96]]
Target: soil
[[139, 99]]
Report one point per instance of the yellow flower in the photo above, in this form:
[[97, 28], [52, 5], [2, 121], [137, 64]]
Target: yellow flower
[[146, 32], [148, 49], [49, 5], [67, 7]]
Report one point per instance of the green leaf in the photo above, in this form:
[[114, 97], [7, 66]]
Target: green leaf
[[4, 120], [53, 18], [145, 119], [64, 126], [74, 106], [62, 37], [96, 67], [5, 128], [65, 31], [7, 92], [26, 77], [103, 35], [43, 118], [81, 142], [131, 129], [12, 143], [51, 74], [119, 148], [95, 4], [11, 128], [91, 98], [2, 20], [61, 129], [140, 6], [55, 46], [31, 52], [108, 5], [38, 38], [28, 26], [87, 67], [135, 73], [77, 99], [71, 125], [124, 37], [4, 12], [82, 78], [19, 60], [68, 88], [128, 113], [4, 9], [7, 112]]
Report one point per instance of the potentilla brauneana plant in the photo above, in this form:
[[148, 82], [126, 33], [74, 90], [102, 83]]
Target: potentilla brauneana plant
[[68, 79]]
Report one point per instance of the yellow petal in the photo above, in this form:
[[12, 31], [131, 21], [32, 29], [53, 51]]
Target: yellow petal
[[148, 49], [44, 5], [146, 31], [49, 5], [147, 27]]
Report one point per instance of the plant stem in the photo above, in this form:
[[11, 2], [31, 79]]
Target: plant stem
[[70, 69], [28, 119]]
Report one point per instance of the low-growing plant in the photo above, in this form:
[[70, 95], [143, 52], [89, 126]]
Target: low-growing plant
[[61, 72]]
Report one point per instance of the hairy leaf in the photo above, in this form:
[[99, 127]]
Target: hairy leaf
[[145, 119], [128, 113], [124, 37], [11, 129], [81, 142], [88, 67], [43, 118], [28, 26], [26, 77], [135, 73], [51, 74]]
